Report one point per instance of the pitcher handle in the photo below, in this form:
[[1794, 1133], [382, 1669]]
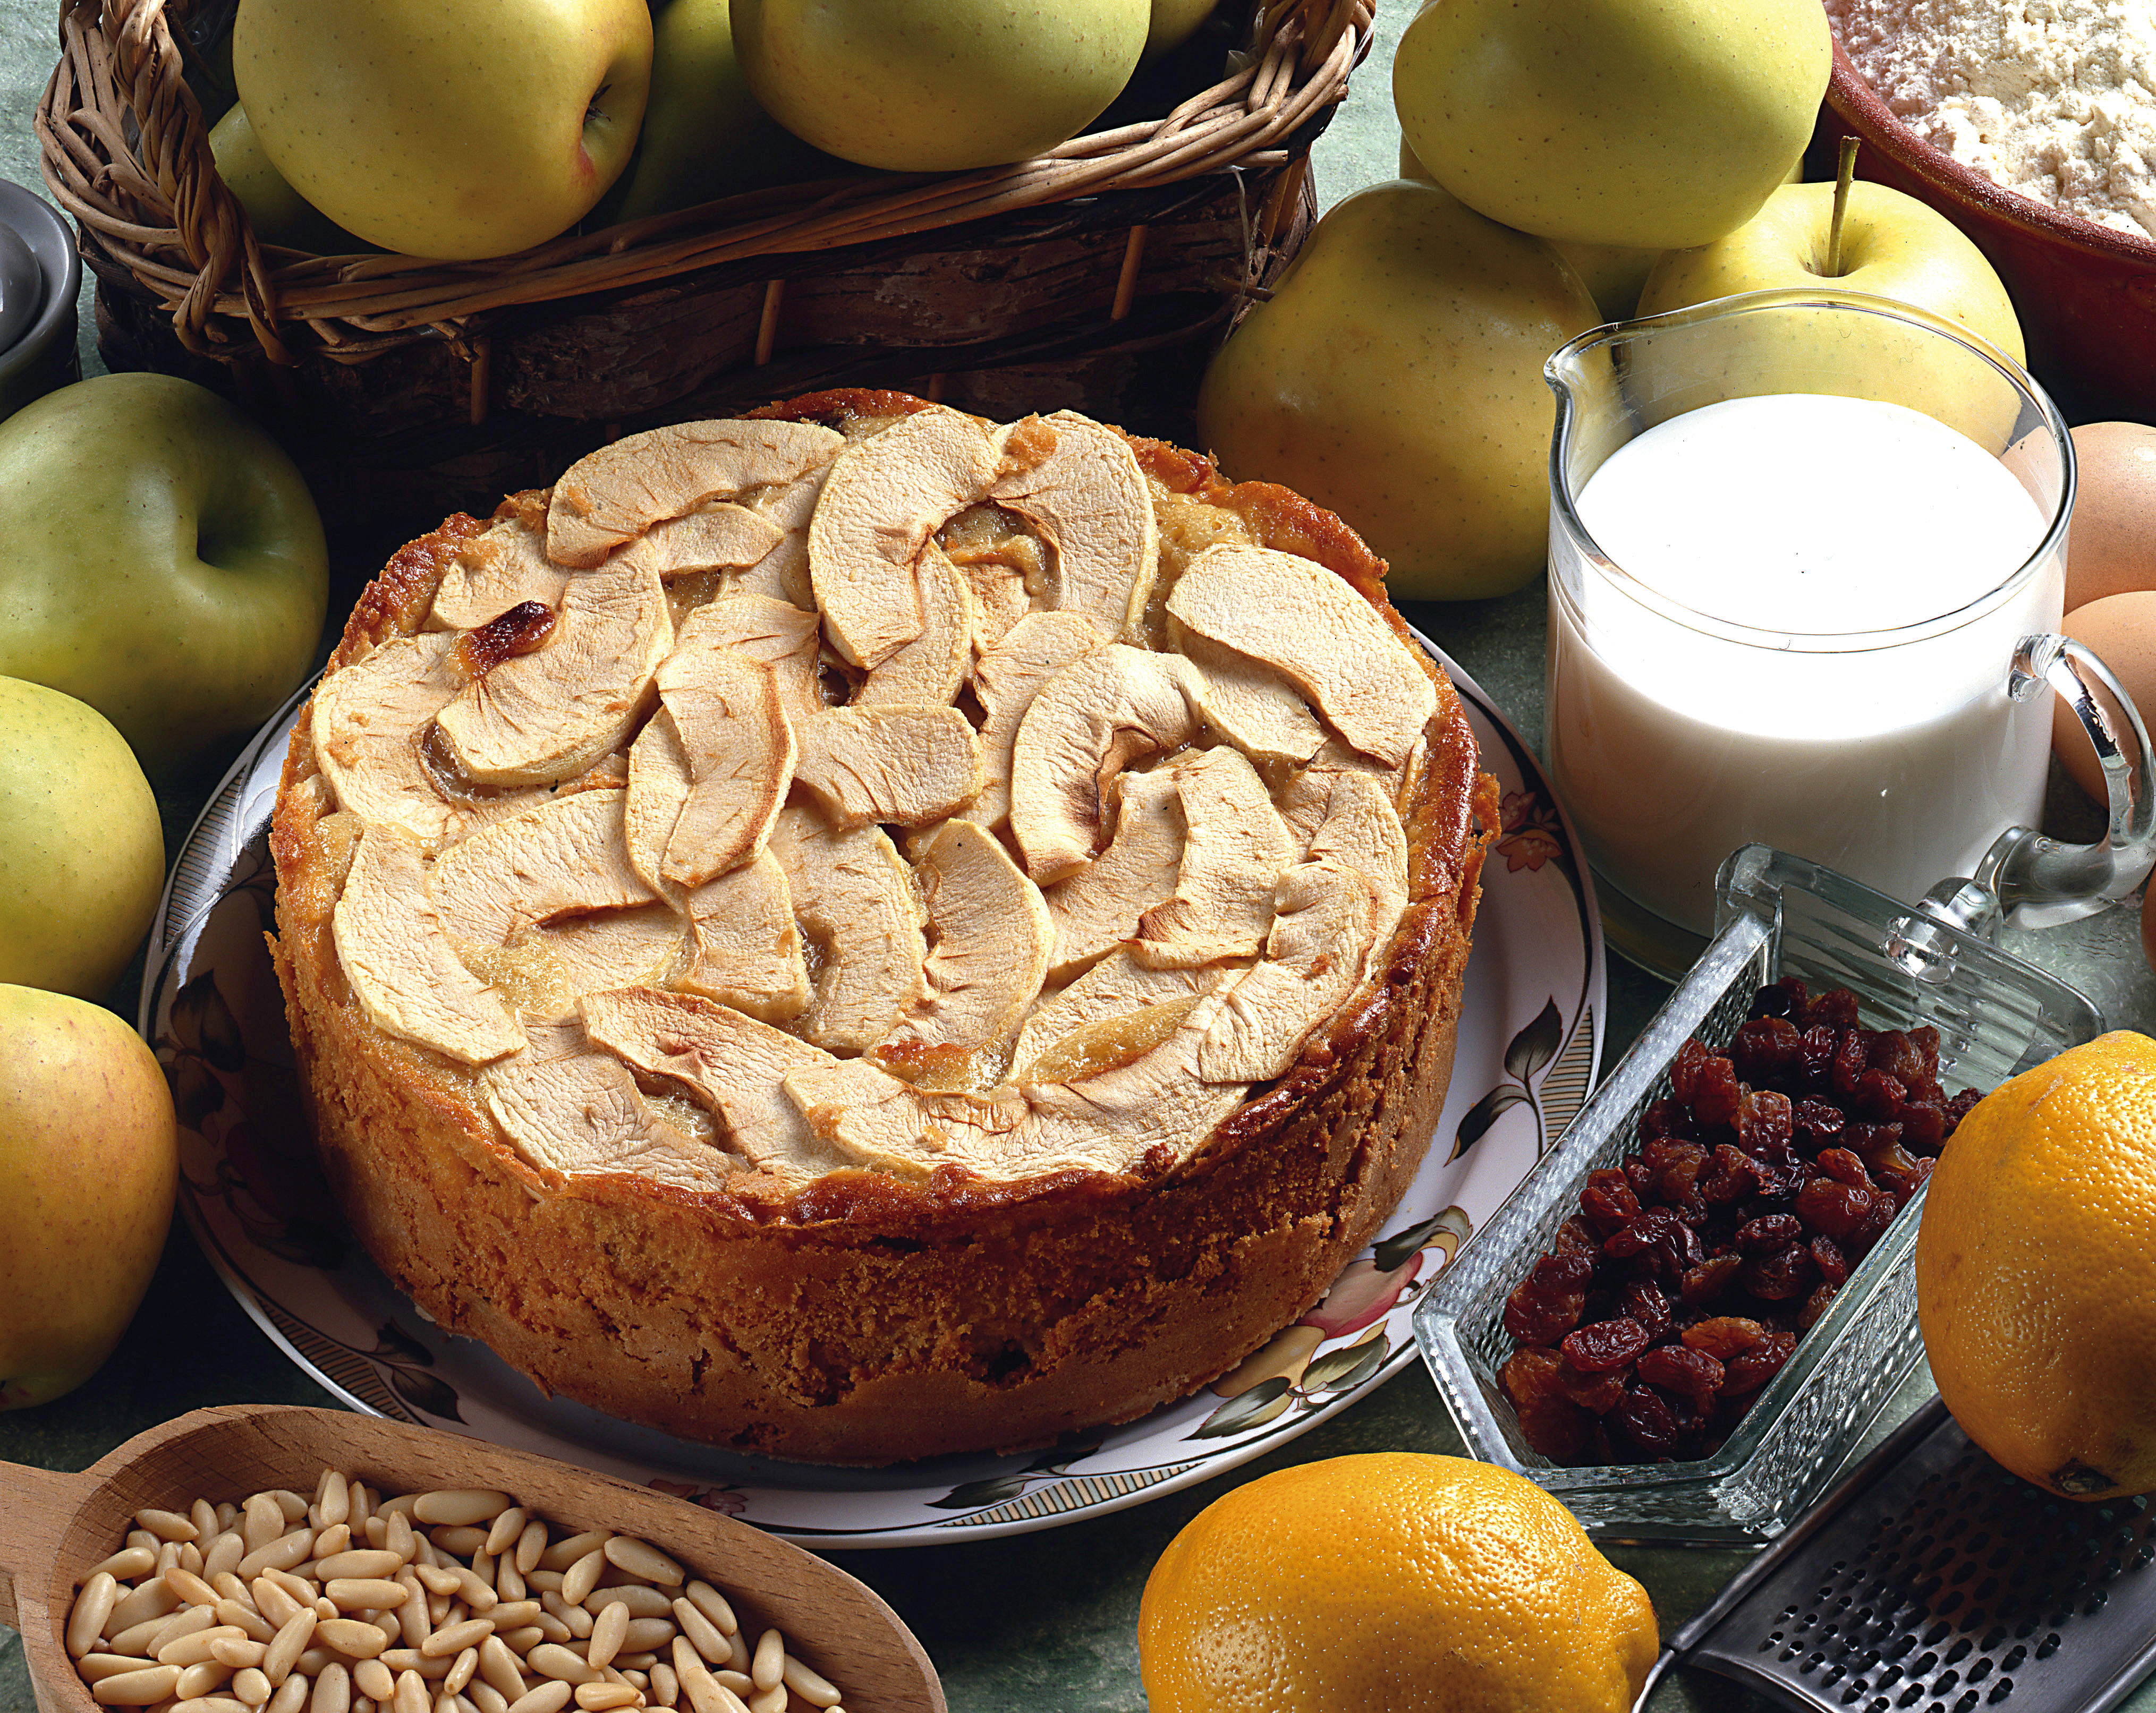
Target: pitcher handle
[[2038, 881]]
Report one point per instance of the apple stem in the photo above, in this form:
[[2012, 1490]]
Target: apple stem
[[1843, 179]]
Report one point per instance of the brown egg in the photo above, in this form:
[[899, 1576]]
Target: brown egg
[[2122, 629], [2111, 546]]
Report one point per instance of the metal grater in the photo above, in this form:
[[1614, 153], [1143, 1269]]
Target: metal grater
[[1931, 1580]]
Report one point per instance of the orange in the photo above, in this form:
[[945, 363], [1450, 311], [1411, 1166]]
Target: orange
[[2036, 1271], [1396, 1581]]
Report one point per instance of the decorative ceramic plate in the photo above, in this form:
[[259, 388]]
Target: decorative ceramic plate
[[1529, 1046]]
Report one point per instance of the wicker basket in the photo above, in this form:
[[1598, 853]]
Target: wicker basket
[[1095, 276]]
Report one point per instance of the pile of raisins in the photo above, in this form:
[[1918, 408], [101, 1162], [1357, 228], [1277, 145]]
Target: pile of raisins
[[1687, 1278]]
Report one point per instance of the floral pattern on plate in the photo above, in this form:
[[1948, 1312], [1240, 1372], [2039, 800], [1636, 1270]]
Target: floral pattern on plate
[[1530, 1042]]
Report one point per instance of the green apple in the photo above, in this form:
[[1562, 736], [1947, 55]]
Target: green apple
[[278, 214], [1174, 22], [451, 128], [1648, 125], [1613, 273], [1396, 376], [164, 562], [705, 135], [938, 86], [89, 1163], [1892, 246], [82, 851]]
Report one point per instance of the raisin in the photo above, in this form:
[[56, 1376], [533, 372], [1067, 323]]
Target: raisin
[[1606, 1345], [1549, 1421], [1923, 1126], [1817, 1050], [1724, 1336], [1757, 1366], [1717, 1094], [1849, 1063], [1678, 1367], [1836, 1008], [1599, 1393], [1765, 1121], [1778, 1274], [1958, 1107], [1684, 1070], [1608, 1201], [1703, 1283], [1879, 1097], [1819, 1123], [1639, 1176], [1771, 1231], [1731, 1176], [1827, 1256], [1768, 1050], [1815, 1305], [1539, 1313], [1641, 1234], [1839, 1209], [1924, 1042], [1675, 1164], [1575, 1237], [1644, 1301], [1668, 1118], [1844, 1167], [1646, 1419]]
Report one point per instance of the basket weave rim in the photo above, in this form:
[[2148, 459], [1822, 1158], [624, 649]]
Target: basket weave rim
[[125, 151]]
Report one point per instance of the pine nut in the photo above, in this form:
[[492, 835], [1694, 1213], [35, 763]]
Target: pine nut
[[553, 1659], [607, 1629], [137, 1689], [411, 1696], [459, 1538], [511, 1614], [261, 1521], [351, 1637], [642, 1601], [285, 1648], [128, 1563], [547, 1698], [192, 1621], [580, 1578], [809, 1686], [485, 1697], [703, 1635], [93, 1667], [192, 1589], [291, 1696], [709, 1601], [283, 1553], [374, 1679], [524, 1640], [530, 1546], [643, 1559], [771, 1701], [739, 1682], [452, 1640], [252, 1687], [332, 1690], [666, 1687], [92, 1606], [167, 1525], [241, 1615], [595, 1696], [197, 1681], [330, 1539], [358, 1561], [461, 1670], [238, 1651]]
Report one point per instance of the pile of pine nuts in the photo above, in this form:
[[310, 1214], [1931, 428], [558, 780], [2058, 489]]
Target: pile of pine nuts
[[447, 1601]]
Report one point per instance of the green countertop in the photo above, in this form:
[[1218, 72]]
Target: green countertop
[[1037, 1623]]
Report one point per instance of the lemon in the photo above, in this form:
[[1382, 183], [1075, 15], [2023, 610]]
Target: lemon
[[1397, 1581], [2036, 1271]]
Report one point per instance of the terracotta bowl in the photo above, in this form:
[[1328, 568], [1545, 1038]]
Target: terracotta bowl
[[2086, 294]]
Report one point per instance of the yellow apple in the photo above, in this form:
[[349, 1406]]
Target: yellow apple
[[1613, 273], [82, 851], [1613, 122], [1396, 376], [1892, 246], [451, 128], [938, 86], [89, 1163]]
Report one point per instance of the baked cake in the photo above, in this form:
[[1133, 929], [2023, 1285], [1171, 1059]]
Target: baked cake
[[860, 932]]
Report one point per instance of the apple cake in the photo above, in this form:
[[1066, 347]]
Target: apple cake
[[859, 932]]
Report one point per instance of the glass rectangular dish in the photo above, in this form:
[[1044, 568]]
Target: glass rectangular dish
[[1777, 915]]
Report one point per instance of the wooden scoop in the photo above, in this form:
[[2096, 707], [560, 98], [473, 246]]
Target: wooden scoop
[[54, 1529]]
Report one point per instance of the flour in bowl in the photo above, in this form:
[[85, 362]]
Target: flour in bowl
[[2054, 99]]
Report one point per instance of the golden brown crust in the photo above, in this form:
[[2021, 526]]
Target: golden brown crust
[[862, 1319]]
